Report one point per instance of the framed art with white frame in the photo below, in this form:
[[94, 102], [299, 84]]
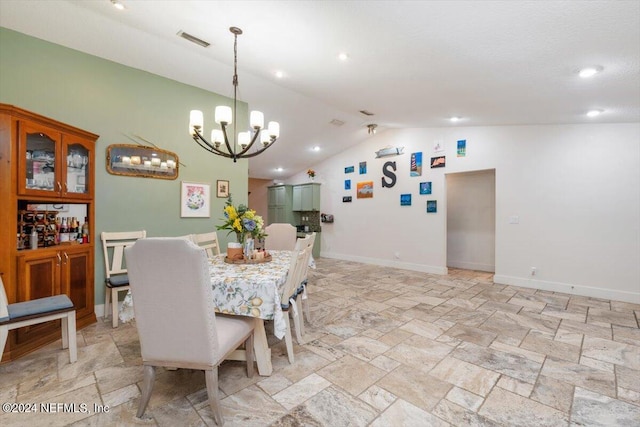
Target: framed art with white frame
[[195, 201]]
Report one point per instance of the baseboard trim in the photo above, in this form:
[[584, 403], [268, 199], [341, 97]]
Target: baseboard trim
[[465, 265], [388, 263], [99, 309], [567, 288]]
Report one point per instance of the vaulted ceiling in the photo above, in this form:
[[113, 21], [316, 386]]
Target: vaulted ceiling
[[410, 63]]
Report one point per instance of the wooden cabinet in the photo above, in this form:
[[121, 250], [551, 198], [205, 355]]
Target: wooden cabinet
[[306, 197], [279, 199], [44, 273], [45, 162]]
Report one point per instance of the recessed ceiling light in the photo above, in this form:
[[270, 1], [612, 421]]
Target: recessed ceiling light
[[455, 119], [343, 56], [589, 71], [279, 169], [279, 74], [594, 113], [118, 5], [316, 148]]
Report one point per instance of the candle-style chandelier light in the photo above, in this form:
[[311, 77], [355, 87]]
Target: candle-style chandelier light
[[225, 116]]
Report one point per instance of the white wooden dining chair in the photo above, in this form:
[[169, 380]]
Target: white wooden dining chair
[[280, 236], [40, 310], [287, 297], [208, 241], [175, 315], [301, 243], [302, 298], [116, 278]]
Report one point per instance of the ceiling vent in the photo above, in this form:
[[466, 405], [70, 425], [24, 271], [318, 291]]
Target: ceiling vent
[[366, 113], [336, 122], [193, 39]]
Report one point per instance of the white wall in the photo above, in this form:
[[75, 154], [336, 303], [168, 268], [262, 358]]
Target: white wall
[[575, 189], [471, 220]]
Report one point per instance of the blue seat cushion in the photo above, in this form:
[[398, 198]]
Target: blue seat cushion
[[39, 306], [118, 280], [300, 288]]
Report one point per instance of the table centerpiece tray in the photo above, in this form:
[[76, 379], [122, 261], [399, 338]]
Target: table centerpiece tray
[[267, 258]]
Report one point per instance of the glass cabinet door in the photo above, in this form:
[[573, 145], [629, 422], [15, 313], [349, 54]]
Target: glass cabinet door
[[39, 151], [76, 160]]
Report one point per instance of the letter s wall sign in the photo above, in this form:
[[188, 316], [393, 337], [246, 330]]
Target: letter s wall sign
[[389, 174]]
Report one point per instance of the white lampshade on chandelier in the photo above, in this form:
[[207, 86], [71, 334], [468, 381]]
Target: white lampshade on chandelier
[[224, 116]]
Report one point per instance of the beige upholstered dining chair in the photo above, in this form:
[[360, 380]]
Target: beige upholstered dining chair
[[280, 236], [116, 278], [287, 297], [208, 241], [40, 310], [175, 315]]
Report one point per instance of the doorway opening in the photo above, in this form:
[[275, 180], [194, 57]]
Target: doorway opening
[[471, 220]]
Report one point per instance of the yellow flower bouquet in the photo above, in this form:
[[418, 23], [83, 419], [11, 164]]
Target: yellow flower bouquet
[[242, 221]]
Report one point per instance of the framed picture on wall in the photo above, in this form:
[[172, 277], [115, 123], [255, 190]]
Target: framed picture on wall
[[364, 190], [362, 168], [425, 187], [195, 200], [222, 188]]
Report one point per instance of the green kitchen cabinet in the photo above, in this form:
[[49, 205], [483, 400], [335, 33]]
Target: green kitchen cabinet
[[279, 200], [306, 197]]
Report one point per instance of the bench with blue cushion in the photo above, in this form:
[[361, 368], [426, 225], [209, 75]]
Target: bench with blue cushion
[[27, 313], [21, 310]]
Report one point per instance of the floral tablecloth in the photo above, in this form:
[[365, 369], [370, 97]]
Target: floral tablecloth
[[251, 289], [243, 289]]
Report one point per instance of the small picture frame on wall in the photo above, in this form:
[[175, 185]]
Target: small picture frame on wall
[[364, 190], [347, 184], [405, 200], [438, 162], [425, 187], [432, 206], [362, 168], [346, 199], [222, 188], [195, 200]]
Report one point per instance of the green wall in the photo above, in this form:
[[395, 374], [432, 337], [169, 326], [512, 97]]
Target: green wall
[[115, 101]]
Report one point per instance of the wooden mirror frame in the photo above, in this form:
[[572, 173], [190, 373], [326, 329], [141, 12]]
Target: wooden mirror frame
[[142, 161]]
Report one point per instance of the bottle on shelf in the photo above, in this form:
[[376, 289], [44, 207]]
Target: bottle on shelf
[[33, 240], [57, 230], [85, 231], [64, 231]]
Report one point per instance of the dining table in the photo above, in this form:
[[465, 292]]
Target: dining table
[[251, 290]]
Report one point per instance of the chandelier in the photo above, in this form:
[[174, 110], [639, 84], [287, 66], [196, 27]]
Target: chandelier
[[225, 116]]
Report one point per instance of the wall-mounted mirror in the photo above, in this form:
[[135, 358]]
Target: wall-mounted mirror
[[137, 160]]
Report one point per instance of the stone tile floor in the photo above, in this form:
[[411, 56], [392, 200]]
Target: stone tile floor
[[386, 347]]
